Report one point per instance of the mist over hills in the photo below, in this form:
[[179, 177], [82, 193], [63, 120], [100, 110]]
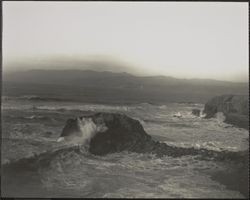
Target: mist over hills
[[89, 85]]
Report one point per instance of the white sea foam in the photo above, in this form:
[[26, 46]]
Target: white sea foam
[[118, 174], [88, 129], [220, 117]]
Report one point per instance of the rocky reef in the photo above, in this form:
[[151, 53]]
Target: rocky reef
[[123, 133], [234, 107]]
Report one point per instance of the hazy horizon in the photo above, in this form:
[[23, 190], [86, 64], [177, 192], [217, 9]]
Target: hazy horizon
[[111, 71], [184, 40]]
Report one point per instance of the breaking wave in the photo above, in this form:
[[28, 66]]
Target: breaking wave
[[87, 130], [90, 130], [39, 98], [69, 170], [72, 167], [38, 117]]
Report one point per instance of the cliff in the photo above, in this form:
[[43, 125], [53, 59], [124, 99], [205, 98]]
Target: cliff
[[234, 107]]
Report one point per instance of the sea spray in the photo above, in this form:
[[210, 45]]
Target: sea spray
[[220, 117], [86, 130], [120, 173], [89, 129]]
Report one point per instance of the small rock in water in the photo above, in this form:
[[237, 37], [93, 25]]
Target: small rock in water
[[178, 115], [196, 112]]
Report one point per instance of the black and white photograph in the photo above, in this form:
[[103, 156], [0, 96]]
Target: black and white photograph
[[125, 99]]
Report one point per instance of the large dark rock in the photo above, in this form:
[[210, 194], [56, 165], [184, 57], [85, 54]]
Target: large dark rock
[[234, 107], [123, 133]]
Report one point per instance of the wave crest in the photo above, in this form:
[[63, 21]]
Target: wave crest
[[81, 131]]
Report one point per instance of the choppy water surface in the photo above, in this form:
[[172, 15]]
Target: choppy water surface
[[33, 127]]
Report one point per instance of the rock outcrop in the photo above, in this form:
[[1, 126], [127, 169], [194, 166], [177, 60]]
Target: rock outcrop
[[123, 133], [234, 107]]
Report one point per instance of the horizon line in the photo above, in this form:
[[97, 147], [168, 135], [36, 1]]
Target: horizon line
[[124, 72]]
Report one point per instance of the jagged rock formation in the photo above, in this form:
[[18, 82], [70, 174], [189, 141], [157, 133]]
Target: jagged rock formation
[[234, 107]]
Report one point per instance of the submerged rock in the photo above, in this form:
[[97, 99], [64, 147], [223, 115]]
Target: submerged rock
[[234, 107], [196, 112]]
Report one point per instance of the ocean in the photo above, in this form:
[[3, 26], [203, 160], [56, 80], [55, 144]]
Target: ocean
[[31, 126]]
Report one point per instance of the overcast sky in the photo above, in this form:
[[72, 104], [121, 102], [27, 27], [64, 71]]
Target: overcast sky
[[180, 39]]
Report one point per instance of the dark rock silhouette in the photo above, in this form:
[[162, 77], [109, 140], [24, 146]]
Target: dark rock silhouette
[[234, 107], [70, 127], [196, 112], [126, 134]]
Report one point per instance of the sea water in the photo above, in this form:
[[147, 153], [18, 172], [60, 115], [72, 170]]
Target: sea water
[[32, 127]]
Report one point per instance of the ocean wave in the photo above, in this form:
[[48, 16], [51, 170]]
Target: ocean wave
[[41, 157], [38, 117], [84, 107], [39, 98], [209, 145], [82, 136], [47, 156], [72, 167], [35, 98]]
